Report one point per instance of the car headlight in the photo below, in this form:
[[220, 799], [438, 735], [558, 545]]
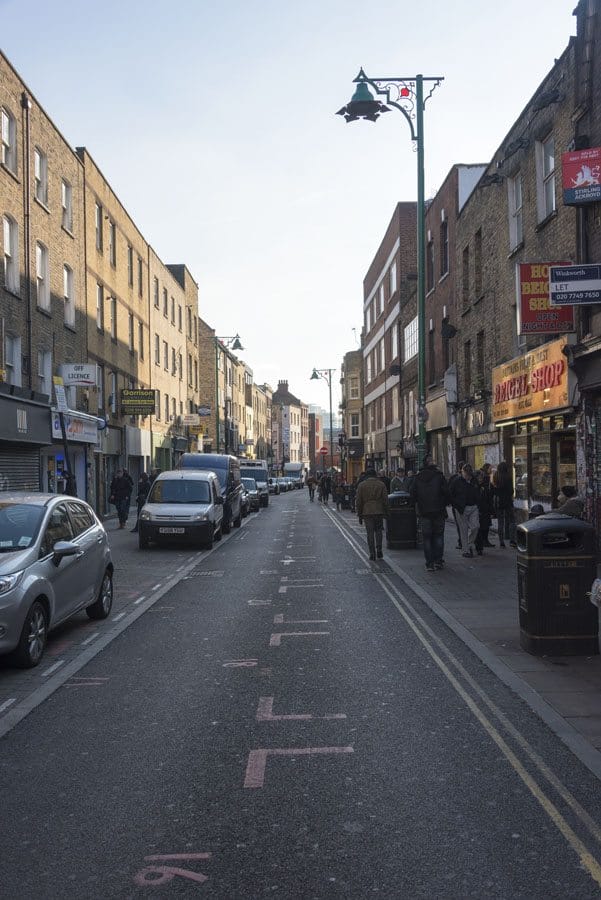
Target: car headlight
[[201, 517], [8, 582], [145, 515]]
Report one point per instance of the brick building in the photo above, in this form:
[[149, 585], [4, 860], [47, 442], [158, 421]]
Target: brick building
[[351, 406]]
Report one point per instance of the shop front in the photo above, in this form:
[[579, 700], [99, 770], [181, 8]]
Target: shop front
[[479, 439], [137, 451], [440, 438], [26, 428], [533, 406], [81, 432], [109, 457]]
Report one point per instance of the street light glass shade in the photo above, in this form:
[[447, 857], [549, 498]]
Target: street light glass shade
[[362, 105], [237, 345], [314, 376]]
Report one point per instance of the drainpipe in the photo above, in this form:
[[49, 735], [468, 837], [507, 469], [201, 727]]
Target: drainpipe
[[26, 107]]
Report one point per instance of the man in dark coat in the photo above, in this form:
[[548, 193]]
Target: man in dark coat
[[371, 504], [121, 488], [144, 485], [430, 494]]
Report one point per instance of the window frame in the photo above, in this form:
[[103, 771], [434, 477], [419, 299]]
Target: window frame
[[545, 179], [40, 176], [410, 340], [8, 140], [69, 295], [42, 276], [12, 270], [67, 205], [515, 204]]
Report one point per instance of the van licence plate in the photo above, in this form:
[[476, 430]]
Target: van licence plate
[[172, 530]]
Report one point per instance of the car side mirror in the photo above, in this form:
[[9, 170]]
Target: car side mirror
[[62, 549]]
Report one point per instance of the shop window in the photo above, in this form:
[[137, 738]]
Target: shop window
[[520, 468], [565, 461], [541, 491]]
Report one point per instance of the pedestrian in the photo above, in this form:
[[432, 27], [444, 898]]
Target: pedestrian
[[120, 495], [311, 484], [385, 480], [352, 494], [430, 493], [464, 496], [144, 486], [153, 475], [408, 481], [339, 494], [484, 512], [452, 480], [503, 503], [325, 487], [397, 481], [372, 507], [571, 504]]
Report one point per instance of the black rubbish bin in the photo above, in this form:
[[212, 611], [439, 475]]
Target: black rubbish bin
[[401, 527], [557, 565]]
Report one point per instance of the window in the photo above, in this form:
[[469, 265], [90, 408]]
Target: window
[[355, 425], [392, 279], [40, 176], [516, 228], [113, 392], [12, 276], [467, 368], [431, 357], [195, 375], [478, 264], [67, 205], [179, 318], [165, 356], [382, 355], [140, 276], [165, 303], [68, 296], [410, 340], [112, 243], [58, 529], [99, 307], [368, 369], [368, 319], [42, 276], [45, 371], [81, 518], [173, 361], [190, 369], [465, 276], [429, 263], [9, 140], [444, 247], [100, 387], [189, 311], [98, 221], [394, 342], [173, 311], [166, 407], [12, 359], [354, 387], [446, 353], [157, 350], [141, 339], [113, 307], [131, 326], [157, 405], [545, 177], [480, 359], [181, 367], [130, 270], [381, 293], [155, 292]]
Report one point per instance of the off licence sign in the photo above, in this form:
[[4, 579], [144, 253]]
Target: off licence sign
[[571, 285]]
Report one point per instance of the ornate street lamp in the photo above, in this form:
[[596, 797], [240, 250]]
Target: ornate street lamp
[[326, 374], [229, 342], [407, 95]]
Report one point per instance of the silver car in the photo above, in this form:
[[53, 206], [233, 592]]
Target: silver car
[[184, 505], [55, 561]]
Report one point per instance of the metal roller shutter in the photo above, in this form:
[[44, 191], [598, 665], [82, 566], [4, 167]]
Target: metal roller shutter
[[20, 469]]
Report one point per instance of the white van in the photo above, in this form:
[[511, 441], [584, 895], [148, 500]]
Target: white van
[[185, 505]]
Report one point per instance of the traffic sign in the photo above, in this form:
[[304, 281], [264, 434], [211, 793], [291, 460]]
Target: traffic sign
[[323, 451]]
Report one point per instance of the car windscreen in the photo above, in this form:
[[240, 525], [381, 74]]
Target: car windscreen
[[19, 524], [251, 472], [180, 492], [250, 484]]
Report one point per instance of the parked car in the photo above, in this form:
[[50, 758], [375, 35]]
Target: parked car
[[283, 484], [273, 486], [252, 491], [184, 505], [245, 502], [227, 469], [55, 561]]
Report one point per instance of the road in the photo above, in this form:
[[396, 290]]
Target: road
[[282, 717]]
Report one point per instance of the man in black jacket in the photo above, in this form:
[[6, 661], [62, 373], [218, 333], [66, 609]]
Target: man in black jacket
[[430, 493], [464, 496]]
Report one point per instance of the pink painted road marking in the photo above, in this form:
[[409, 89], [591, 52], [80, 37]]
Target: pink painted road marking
[[257, 760], [265, 713], [158, 856], [156, 876], [240, 663], [279, 620], [276, 639]]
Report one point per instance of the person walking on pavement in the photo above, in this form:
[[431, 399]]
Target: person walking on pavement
[[397, 481], [452, 480], [464, 496], [371, 504], [121, 488], [339, 493], [325, 486], [430, 494], [144, 486], [503, 501], [311, 484], [484, 512]]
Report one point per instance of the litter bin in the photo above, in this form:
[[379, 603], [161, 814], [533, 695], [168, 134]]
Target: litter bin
[[401, 527], [556, 564]]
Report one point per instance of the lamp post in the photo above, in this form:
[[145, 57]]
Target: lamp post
[[405, 93], [326, 374], [230, 342]]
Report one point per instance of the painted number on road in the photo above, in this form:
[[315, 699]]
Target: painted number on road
[[157, 876]]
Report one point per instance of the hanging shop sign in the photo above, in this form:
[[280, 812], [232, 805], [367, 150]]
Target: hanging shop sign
[[78, 374], [535, 313], [581, 176], [574, 285], [137, 402], [537, 382], [77, 428]]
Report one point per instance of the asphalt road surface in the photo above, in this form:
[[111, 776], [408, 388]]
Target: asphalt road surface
[[287, 720]]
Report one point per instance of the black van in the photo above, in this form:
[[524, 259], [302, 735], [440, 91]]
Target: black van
[[227, 469]]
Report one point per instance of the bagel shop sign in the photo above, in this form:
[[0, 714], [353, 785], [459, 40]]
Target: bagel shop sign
[[533, 384]]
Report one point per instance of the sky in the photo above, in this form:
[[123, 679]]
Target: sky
[[214, 123]]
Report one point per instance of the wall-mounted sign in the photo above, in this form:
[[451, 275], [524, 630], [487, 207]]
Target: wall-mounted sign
[[535, 383], [535, 313], [191, 419], [78, 374], [581, 176], [76, 428], [204, 410], [137, 402], [574, 285], [59, 393]]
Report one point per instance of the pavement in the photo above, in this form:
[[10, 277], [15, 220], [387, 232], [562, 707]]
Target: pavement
[[478, 599]]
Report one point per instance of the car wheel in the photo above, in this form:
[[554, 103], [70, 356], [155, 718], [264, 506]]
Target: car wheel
[[226, 527], [143, 542], [208, 544], [34, 635], [101, 608]]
